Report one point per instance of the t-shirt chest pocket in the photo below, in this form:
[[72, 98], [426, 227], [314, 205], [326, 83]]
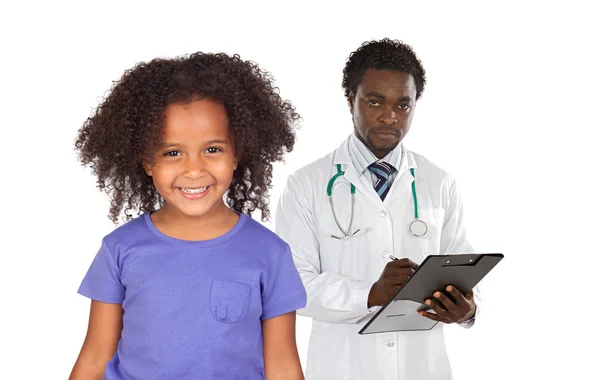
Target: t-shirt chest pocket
[[229, 300]]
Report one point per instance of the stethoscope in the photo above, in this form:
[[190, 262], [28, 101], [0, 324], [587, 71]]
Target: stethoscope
[[417, 227]]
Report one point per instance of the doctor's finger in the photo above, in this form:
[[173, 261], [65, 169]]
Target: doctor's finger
[[460, 299], [394, 272], [394, 276], [442, 314], [446, 302], [402, 263], [435, 317], [398, 280]]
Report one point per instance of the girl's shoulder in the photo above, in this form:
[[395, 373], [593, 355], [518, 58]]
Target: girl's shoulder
[[131, 232], [255, 234]]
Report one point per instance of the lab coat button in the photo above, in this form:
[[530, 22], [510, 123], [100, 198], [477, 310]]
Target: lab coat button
[[391, 344], [383, 213]]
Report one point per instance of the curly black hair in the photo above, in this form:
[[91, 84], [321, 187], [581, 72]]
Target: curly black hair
[[126, 128], [385, 54]]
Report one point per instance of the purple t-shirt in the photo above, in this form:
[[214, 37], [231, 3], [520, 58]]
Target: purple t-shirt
[[193, 310]]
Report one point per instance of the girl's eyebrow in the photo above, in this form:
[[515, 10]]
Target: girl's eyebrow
[[169, 145], [225, 142], [173, 145]]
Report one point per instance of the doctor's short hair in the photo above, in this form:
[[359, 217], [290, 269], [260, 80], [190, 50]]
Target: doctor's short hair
[[385, 54], [126, 128]]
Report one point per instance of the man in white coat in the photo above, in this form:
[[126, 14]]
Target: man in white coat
[[344, 257]]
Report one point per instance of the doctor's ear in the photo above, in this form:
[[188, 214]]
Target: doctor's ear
[[351, 98]]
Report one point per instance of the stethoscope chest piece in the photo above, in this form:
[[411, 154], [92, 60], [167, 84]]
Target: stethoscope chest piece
[[418, 228]]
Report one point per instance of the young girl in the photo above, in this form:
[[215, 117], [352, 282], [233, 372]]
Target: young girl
[[192, 288]]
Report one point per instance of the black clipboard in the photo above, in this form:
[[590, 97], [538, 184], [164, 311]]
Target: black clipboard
[[401, 312]]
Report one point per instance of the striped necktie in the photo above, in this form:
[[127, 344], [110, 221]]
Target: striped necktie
[[382, 171]]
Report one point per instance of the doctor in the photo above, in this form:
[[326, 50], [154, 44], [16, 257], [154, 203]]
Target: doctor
[[348, 214]]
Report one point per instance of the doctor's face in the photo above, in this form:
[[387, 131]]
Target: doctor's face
[[382, 109]]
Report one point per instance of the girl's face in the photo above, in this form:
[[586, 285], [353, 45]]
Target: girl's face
[[194, 165]]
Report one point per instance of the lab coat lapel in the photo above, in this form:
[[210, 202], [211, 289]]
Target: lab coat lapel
[[403, 180], [362, 184]]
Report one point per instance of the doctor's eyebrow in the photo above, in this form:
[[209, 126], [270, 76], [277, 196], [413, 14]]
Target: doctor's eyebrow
[[378, 95], [374, 94]]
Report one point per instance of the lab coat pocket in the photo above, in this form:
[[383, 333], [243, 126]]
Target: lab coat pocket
[[228, 301], [434, 218]]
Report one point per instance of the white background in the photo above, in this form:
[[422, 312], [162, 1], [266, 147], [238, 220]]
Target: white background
[[510, 110]]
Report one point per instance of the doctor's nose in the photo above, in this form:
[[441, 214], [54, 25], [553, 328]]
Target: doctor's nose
[[388, 117]]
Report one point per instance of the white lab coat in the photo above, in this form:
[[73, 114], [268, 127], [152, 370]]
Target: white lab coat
[[338, 274]]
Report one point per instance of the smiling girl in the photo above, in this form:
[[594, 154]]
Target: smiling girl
[[192, 287]]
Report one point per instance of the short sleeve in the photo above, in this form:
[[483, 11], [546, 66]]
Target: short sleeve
[[102, 281], [286, 293]]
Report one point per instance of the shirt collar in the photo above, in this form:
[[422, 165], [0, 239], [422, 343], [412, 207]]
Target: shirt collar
[[362, 157]]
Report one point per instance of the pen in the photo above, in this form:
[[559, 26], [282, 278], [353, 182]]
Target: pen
[[390, 256]]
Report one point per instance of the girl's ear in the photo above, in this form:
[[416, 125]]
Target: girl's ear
[[237, 159], [147, 167]]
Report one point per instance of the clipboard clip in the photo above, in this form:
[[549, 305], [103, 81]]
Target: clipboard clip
[[462, 260]]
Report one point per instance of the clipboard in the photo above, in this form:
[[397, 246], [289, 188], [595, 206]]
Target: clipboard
[[401, 312]]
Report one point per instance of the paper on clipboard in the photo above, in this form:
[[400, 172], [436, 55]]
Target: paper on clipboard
[[404, 315]]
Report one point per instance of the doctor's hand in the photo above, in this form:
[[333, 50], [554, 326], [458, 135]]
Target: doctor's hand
[[451, 309], [394, 275]]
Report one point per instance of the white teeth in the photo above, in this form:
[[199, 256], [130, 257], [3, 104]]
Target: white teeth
[[194, 191]]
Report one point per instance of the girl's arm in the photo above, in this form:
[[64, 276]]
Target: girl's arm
[[279, 348], [100, 345]]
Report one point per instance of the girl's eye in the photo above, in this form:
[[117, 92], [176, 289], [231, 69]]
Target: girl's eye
[[213, 149], [172, 153]]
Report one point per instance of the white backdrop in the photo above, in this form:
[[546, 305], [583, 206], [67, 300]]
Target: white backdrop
[[510, 110]]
